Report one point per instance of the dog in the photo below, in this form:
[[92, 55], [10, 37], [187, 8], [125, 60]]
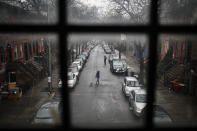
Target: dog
[[91, 84]]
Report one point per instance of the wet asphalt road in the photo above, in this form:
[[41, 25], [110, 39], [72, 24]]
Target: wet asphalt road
[[104, 106]]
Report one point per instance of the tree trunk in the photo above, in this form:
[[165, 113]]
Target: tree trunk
[[140, 49]]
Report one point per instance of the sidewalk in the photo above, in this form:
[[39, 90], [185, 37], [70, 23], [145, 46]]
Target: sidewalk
[[133, 65], [182, 107], [20, 112]]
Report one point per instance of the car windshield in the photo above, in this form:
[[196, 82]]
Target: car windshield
[[74, 64], [158, 111], [118, 63], [69, 69], [74, 69], [70, 77], [116, 56], [47, 111], [141, 98], [78, 60], [132, 83], [162, 118]]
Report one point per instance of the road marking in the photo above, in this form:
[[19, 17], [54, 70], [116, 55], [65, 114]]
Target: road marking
[[121, 109], [76, 94]]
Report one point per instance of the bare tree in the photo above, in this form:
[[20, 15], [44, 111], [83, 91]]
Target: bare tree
[[79, 12], [36, 5], [140, 49], [134, 10]]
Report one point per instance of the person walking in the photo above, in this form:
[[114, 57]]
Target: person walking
[[105, 58], [97, 77]]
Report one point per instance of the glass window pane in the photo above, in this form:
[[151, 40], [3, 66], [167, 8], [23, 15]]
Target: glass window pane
[[105, 103], [178, 11], [122, 12], [28, 11], [27, 97], [176, 79]]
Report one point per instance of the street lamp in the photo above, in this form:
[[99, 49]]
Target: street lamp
[[123, 38], [49, 45]]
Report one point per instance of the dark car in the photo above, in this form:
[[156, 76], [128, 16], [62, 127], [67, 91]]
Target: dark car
[[48, 113], [160, 115], [112, 56], [118, 66], [108, 51]]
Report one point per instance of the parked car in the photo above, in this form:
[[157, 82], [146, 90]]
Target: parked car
[[108, 51], [48, 113], [86, 54], [118, 66], [137, 102], [77, 63], [129, 84], [112, 57], [74, 70], [82, 62], [83, 57], [72, 80], [160, 115]]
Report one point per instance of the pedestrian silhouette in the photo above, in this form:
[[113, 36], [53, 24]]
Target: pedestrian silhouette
[[97, 77], [105, 58]]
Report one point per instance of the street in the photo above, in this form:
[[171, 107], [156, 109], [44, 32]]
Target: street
[[104, 106], [114, 59]]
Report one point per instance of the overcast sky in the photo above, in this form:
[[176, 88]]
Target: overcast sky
[[102, 5]]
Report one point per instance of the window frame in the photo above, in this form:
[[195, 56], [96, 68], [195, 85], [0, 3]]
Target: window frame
[[153, 29]]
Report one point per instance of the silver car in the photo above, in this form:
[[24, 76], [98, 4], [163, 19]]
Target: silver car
[[74, 70], [48, 113], [78, 63], [129, 84], [137, 102], [72, 80], [81, 60]]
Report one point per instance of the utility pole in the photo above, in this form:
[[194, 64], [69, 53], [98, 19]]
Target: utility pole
[[49, 76], [49, 45], [123, 40]]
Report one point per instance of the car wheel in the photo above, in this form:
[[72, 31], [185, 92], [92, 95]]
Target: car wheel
[[122, 90]]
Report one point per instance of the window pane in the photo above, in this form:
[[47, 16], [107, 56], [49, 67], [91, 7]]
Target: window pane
[[28, 11], [106, 104], [178, 11], [26, 96], [176, 79], [108, 11]]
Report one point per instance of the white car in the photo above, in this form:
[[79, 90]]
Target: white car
[[81, 60], [78, 63], [48, 113], [137, 102], [72, 80], [129, 84], [74, 70]]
